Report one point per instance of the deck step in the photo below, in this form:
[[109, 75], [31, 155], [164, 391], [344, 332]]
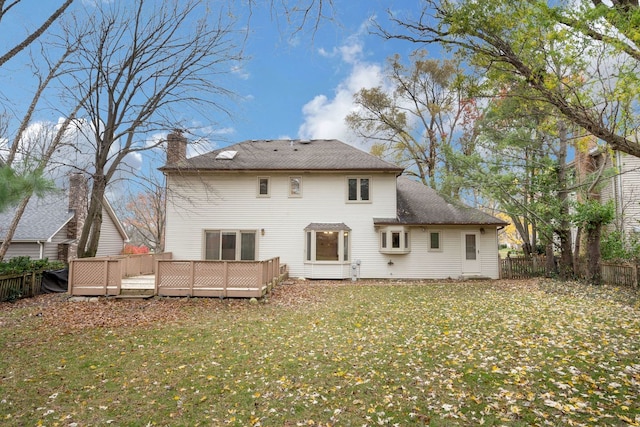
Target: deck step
[[133, 296]]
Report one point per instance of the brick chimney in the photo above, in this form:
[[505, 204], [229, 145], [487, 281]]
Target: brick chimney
[[78, 199], [176, 147]]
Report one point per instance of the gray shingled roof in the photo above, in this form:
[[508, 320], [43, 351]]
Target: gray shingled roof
[[42, 218], [421, 205], [319, 154]]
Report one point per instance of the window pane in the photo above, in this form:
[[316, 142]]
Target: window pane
[[212, 245], [346, 246], [229, 246], [248, 246], [326, 246], [383, 236], [264, 186], [353, 189], [364, 189], [435, 240], [308, 246], [470, 246], [395, 240], [295, 186]]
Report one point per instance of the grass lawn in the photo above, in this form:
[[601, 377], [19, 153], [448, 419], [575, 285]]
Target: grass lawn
[[492, 353]]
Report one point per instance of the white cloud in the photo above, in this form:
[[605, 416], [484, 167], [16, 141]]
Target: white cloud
[[324, 117]]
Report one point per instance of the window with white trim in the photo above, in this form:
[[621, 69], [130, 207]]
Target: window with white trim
[[230, 245], [295, 186], [327, 246], [395, 240], [358, 189], [435, 241], [264, 186]]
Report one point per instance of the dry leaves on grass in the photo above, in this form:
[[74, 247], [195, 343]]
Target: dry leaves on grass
[[56, 310]]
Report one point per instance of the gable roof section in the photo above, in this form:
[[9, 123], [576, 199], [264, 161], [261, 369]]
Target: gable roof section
[[42, 219], [421, 205], [45, 216], [289, 155]]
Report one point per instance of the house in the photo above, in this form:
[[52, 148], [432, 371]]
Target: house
[[327, 209], [621, 184], [51, 225]]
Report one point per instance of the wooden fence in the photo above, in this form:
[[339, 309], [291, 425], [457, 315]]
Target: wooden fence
[[244, 279], [617, 274], [16, 286], [103, 275]]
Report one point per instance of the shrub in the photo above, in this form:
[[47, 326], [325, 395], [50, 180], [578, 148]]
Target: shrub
[[134, 250], [24, 264], [613, 247]]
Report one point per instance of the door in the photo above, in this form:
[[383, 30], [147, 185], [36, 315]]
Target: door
[[470, 253]]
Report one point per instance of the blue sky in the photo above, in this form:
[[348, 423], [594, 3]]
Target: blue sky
[[292, 85], [301, 86]]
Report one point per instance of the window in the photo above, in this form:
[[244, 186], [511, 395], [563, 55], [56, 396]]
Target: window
[[434, 241], [223, 245], [263, 186], [358, 189], [327, 243], [394, 240], [295, 186]]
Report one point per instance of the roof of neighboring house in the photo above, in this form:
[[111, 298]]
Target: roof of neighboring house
[[421, 205], [42, 219], [317, 154], [45, 216]]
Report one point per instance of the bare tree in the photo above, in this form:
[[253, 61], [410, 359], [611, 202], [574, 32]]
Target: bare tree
[[427, 113], [148, 63], [29, 39], [144, 215]]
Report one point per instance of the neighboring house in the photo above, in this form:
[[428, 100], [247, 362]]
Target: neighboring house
[[51, 225], [327, 209], [622, 186]]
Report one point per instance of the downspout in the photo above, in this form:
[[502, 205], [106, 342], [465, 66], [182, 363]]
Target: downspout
[[41, 249]]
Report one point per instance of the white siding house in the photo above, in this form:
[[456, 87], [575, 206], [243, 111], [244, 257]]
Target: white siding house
[[327, 209], [624, 189]]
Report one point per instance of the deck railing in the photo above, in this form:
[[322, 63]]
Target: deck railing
[[244, 279], [103, 275]]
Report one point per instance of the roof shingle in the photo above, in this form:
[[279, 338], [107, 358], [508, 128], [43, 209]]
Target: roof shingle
[[421, 205], [326, 155]]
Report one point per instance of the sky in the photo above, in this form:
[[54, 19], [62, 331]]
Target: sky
[[296, 85], [302, 86]]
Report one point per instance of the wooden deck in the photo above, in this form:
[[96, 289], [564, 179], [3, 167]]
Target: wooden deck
[[160, 275]]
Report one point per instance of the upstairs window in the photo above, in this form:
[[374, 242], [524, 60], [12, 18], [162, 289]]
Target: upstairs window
[[295, 186], [264, 187], [358, 189]]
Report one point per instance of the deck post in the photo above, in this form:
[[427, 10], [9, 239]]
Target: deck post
[[225, 278]]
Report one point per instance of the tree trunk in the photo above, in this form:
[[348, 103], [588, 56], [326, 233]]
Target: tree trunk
[[593, 246], [13, 227], [90, 237], [550, 267]]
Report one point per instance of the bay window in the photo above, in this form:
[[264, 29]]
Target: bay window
[[327, 243], [395, 240]]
